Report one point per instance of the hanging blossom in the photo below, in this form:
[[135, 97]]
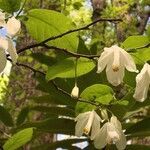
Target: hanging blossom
[[75, 92], [12, 27], [115, 59], [142, 83], [110, 133], [86, 122]]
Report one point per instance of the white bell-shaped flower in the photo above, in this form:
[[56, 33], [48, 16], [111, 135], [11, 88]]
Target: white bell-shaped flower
[[115, 59], [6, 44], [13, 26], [110, 133], [86, 122], [2, 19], [75, 92], [142, 83]]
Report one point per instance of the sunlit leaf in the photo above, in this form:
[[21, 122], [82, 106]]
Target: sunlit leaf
[[19, 139]]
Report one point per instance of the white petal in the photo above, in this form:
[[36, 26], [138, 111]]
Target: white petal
[[121, 144], [82, 115], [13, 26], [7, 69], [3, 43], [95, 125], [81, 123], [12, 51], [116, 122], [115, 78], [142, 84], [88, 126], [128, 61], [104, 59], [143, 72], [2, 19], [100, 138], [3, 60], [141, 93], [112, 133]]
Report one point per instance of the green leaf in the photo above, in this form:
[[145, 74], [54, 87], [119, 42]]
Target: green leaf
[[51, 110], [63, 111], [55, 98], [66, 68], [123, 106], [10, 6], [60, 125], [99, 93], [22, 116], [105, 100], [141, 55], [5, 117], [19, 139], [131, 147], [82, 49], [129, 78], [140, 128], [84, 107], [65, 144], [43, 59], [137, 147], [43, 24], [134, 42]]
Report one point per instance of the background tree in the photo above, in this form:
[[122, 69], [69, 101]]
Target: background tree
[[44, 76]]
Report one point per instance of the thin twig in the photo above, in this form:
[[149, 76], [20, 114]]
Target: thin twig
[[7, 135], [21, 8], [68, 94], [32, 69], [71, 53], [66, 33], [56, 86]]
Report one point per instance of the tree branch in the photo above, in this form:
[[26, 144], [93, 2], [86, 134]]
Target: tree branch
[[66, 33], [30, 68], [56, 86], [71, 53]]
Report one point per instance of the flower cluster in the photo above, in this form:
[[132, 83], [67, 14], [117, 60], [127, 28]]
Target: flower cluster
[[110, 133], [12, 27], [116, 59]]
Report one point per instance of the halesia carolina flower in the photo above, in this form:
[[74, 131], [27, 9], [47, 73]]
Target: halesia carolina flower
[[115, 59], [110, 133], [142, 83], [86, 122], [75, 92], [6, 45]]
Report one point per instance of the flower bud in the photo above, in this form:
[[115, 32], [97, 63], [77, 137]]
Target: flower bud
[[104, 114], [75, 92]]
